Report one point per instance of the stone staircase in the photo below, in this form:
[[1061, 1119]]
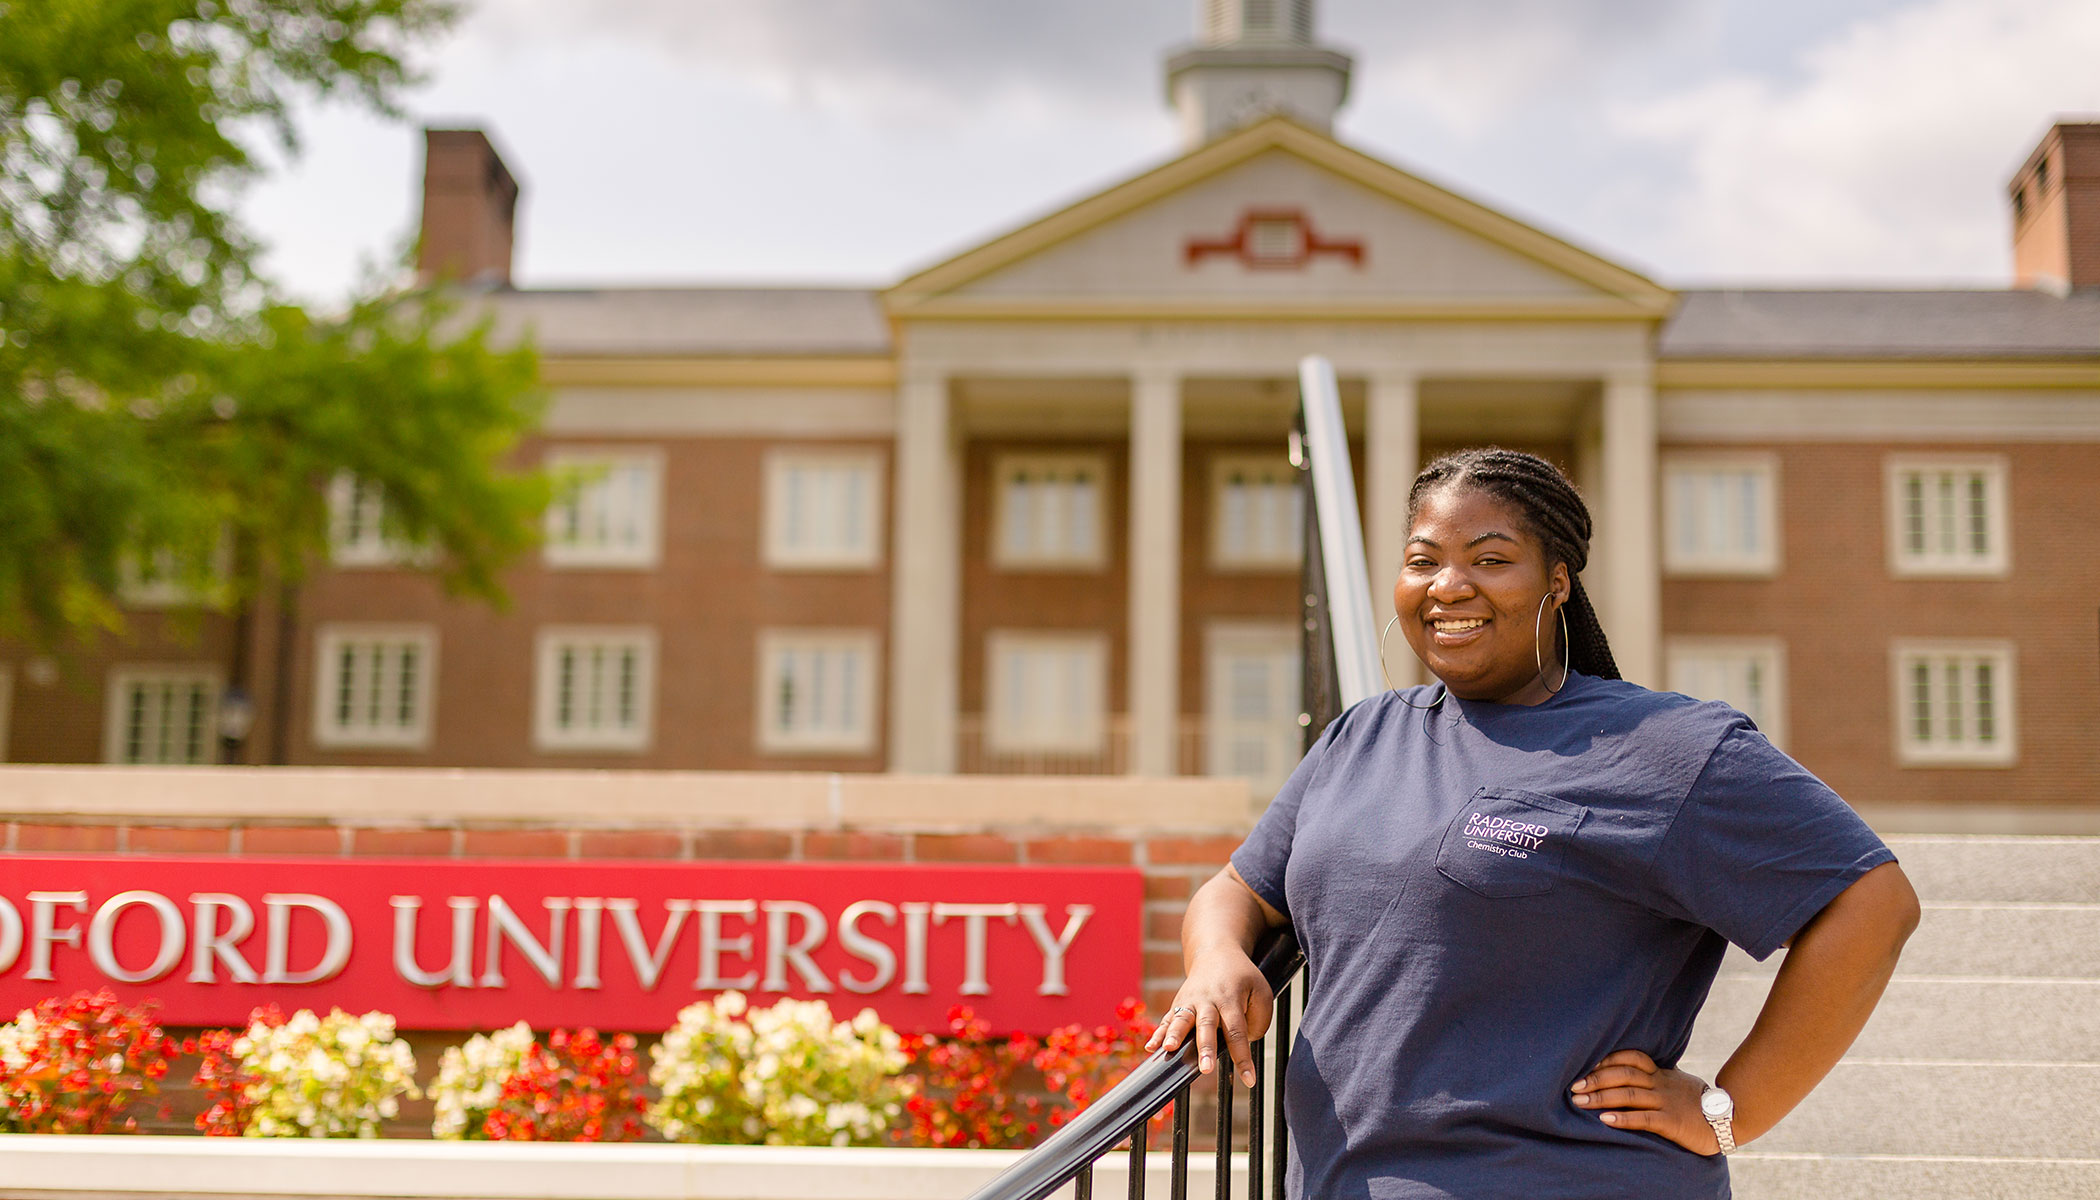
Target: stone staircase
[[1979, 1075]]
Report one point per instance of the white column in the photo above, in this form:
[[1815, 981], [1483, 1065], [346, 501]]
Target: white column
[[1155, 573], [1626, 549], [926, 579], [1392, 456]]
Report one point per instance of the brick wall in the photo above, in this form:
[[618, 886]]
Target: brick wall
[[58, 704], [1175, 864], [1073, 599], [2057, 236], [707, 600], [1836, 606], [1177, 832]]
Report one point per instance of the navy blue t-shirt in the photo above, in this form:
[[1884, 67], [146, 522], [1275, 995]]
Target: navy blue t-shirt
[[1493, 897]]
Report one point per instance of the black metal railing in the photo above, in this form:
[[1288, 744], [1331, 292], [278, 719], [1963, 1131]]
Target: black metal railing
[[1340, 667], [1125, 1113]]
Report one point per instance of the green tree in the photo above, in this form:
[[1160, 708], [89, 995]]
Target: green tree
[[157, 396]]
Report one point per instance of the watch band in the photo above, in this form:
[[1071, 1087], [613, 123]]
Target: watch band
[[1724, 1125]]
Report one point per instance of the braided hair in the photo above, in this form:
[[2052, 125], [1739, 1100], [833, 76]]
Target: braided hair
[[1552, 511]]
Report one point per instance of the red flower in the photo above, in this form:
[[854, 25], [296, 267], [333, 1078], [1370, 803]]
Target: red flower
[[577, 1087], [220, 1075], [90, 1058], [974, 1090]]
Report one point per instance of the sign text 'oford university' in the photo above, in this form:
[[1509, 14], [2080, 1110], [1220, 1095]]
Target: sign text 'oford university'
[[451, 944]]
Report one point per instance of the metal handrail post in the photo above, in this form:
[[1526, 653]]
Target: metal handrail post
[[1354, 631]]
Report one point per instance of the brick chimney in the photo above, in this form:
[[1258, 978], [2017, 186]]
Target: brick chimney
[[469, 200], [2056, 211]]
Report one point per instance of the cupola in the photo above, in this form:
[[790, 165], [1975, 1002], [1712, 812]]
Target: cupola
[[1254, 59]]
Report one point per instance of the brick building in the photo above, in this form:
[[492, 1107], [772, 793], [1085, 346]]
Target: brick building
[[1029, 510]]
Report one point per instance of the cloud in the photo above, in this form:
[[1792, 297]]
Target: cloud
[[890, 58], [1886, 154], [918, 58], [1471, 65]]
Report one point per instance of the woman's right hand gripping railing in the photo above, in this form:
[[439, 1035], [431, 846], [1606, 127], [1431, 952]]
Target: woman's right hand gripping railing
[[1165, 1078]]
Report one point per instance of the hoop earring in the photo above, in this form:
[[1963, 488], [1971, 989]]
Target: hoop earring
[[1385, 633], [1538, 654]]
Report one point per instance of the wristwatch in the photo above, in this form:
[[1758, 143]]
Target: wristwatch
[[1718, 1107]]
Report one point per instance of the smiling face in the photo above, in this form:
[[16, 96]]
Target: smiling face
[[1469, 597]]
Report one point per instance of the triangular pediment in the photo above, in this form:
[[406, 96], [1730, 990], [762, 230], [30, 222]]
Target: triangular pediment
[[1274, 219]]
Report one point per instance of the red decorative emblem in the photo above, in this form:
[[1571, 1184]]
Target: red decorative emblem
[[1274, 239]]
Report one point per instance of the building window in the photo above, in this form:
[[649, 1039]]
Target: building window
[[817, 691], [596, 689], [1948, 516], [1954, 704], [356, 524], [1748, 674], [1257, 514], [1720, 516], [824, 510], [374, 686], [1050, 510], [1251, 727], [605, 511], [1046, 692], [162, 716], [168, 578]]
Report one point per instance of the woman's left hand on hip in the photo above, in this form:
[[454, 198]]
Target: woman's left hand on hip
[[1628, 1091]]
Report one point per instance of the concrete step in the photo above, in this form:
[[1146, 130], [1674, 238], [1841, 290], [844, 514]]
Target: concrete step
[[1987, 939], [1759, 1176], [2030, 869], [1967, 1109], [2026, 1020], [1978, 1077]]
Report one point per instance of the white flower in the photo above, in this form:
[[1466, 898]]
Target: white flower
[[338, 1076], [470, 1079], [787, 1074]]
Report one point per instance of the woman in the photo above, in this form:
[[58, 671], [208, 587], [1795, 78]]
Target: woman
[[1514, 887]]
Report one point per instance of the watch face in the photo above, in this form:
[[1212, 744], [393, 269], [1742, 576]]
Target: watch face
[[1716, 1103]]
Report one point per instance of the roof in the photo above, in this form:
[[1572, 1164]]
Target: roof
[[1964, 324], [1635, 293], [729, 321], [1707, 323]]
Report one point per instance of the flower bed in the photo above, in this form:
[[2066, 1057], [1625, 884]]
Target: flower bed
[[788, 1074]]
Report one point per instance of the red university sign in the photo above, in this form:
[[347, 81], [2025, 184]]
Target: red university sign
[[451, 944]]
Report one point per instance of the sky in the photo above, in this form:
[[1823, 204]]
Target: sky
[[1763, 142]]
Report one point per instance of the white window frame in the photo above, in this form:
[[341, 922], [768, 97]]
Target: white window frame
[[1770, 653], [1996, 563], [122, 678], [772, 739], [547, 733], [372, 548], [1712, 562], [780, 552], [1226, 558], [647, 551], [1007, 557], [169, 592], [1003, 733], [2003, 751], [328, 640], [1221, 639]]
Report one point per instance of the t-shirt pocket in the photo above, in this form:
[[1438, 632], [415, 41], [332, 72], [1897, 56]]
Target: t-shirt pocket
[[1507, 842]]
